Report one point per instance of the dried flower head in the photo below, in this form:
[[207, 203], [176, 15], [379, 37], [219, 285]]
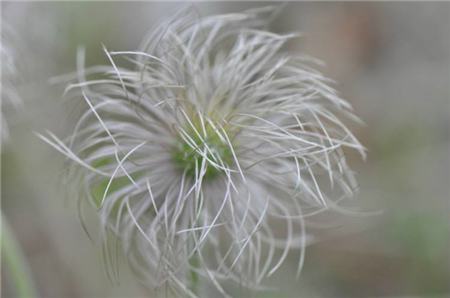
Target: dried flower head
[[9, 76], [205, 156]]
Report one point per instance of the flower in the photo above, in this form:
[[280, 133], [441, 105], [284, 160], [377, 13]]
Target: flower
[[204, 157], [9, 74]]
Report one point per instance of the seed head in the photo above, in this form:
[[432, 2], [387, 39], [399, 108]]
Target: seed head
[[206, 155], [9, 76]]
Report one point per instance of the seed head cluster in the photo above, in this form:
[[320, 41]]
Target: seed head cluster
[[9, 76], [205, 149]]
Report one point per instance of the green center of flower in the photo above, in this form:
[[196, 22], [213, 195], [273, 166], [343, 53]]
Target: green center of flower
[[203, 147]]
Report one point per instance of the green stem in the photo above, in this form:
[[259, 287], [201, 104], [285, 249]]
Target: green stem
[[194, 275], [15, 261]]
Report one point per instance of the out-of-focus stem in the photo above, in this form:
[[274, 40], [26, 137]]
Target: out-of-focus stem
[[15, 262], [194, 275]]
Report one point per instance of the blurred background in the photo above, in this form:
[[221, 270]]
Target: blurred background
[[391, 61]]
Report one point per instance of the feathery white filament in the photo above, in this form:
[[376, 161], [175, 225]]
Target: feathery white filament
[[9, 76]]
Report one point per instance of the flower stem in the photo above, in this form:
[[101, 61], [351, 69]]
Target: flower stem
[[193, 261], [13, 256]]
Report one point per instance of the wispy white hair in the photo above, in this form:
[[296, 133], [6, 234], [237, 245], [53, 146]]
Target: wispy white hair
[[210, 150], [9, 76]]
